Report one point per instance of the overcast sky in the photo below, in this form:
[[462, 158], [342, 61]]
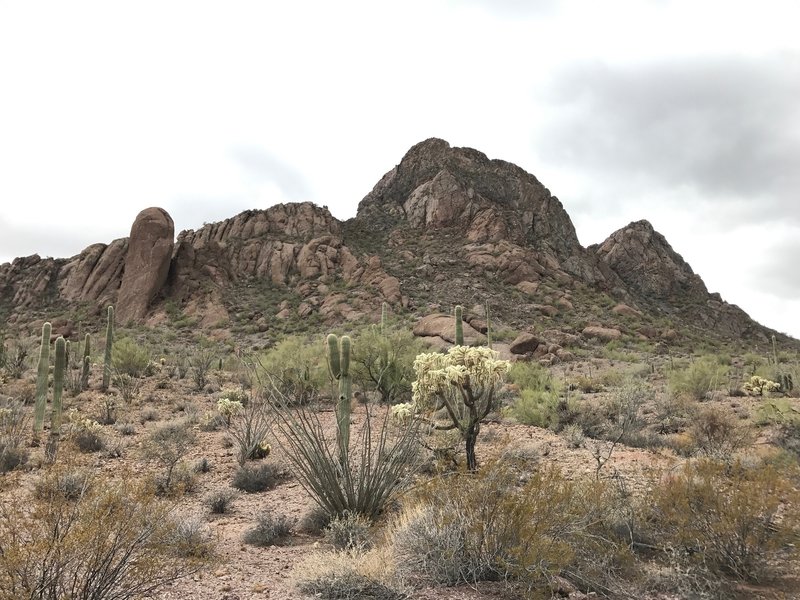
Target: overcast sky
[[685, 113]]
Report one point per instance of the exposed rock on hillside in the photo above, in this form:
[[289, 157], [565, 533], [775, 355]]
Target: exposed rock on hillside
[[647, 264], [146, 263], [445, 226]]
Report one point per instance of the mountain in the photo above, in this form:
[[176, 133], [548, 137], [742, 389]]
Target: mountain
[[445, 226]]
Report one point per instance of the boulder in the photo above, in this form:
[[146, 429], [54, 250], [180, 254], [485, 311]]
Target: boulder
[[443, 326], [146, 263], [524, 343], [605, 334]]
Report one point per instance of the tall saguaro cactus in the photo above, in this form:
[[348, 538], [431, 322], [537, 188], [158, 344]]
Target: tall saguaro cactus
[[86, 362], [58, 389], [384, 311], [488, 328], [42, 377], [338, 354], [459, 326], [109, 346]]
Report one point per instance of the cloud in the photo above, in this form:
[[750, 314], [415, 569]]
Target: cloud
[[778, 273], [263, 167], [16, 241], [726, 128], [514, 8]]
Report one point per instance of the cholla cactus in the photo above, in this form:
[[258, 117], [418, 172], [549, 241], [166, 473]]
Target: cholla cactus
[[459, 387], [758, 386], [228, 408], [403, 411]]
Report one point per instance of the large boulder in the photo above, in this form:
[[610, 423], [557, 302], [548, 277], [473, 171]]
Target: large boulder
[[146, 263], [444, 327]]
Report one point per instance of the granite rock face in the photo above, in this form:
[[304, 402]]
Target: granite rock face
[[147, 263]]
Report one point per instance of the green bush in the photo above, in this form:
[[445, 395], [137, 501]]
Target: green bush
[[385, 362], [129, 358], [538, 401], [702, 377]]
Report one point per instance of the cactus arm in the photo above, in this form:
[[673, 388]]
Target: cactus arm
[[459, 326], [109, 346]]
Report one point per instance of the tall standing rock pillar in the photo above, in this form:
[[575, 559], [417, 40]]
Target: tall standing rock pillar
[[146, 264]]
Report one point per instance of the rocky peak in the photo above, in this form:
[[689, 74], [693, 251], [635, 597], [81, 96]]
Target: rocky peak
[[437, 186], [648, 265]]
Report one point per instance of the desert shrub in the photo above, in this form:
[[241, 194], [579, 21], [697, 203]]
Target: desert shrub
[[348, 532], [16, 362], [113, 541], [249, 428], [385, 362], [66, 484], [13, 423], [128, 385], [269, 530], [345, 575], [260, 478], [148, 414], [86, 434], [716, 433], [538, 399], [702, 377], [380, 462], [167, 445], [314, 521], [469, 528], [295, 366], [729, 519], [129, 358], [212, 421], [126, 428], [200, 363], [190, 538], [220, 501], [203, 465], [535, 407]]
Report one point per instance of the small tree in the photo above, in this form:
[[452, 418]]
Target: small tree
[[460, 390], [384, 361]]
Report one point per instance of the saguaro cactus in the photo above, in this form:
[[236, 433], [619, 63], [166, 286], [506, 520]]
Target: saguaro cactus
[[109, 346], [86, 363], [42, 377], [338, 354], [58, 389], [459, 326], [384, 311]]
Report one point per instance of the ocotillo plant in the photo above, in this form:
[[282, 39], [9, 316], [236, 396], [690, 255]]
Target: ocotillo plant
[[109, 346], [87, 349], [338, 354], [58, 388], [459, 327], [42, 377]]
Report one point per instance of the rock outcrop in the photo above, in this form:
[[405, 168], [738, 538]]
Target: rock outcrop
[[146, 263], [445, 226]]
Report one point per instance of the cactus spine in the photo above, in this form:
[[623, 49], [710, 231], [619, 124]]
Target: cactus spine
[[109, 345], [58, 389], [338, 354], [87, 348], [42, 376], [459, 326]]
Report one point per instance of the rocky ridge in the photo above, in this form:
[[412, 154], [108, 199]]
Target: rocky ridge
[[445, 225]]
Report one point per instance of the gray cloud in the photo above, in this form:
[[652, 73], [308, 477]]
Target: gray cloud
[[779, 273], [264, 167], [728, 127], [18, 241]]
